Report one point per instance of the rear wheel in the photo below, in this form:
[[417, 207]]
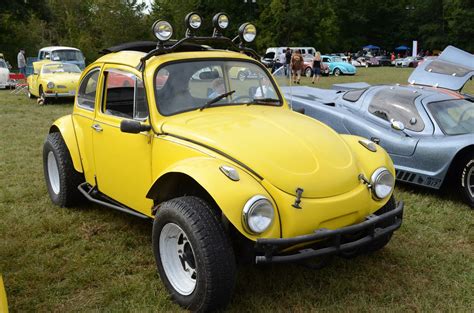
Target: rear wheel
[[337, 72], [30, 95], [61, 177], [193, 254], [308, 72]]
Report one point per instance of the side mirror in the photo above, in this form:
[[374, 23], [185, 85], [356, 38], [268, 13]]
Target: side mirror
[[133, 127], [397, 125]]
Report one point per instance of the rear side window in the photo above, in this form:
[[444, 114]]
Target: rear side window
[[397, 104], [124, 95], [353, 95], [88, 89]]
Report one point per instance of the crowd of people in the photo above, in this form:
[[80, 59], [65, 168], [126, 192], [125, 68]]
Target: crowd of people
[[293, 63]]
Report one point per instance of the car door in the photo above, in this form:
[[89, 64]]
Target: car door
[[122, 160]]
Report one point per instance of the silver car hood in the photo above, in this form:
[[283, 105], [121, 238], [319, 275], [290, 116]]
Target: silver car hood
[[451, 70]]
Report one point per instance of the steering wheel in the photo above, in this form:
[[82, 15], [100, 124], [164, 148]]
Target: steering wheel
[[242, 97], [464, 113]]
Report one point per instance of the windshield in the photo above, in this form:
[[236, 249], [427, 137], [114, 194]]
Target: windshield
[[187, 86], [454, 117], [67, 55], [337, 59], [60, 68]]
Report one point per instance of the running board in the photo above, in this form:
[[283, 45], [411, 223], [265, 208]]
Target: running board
[[88, 195]]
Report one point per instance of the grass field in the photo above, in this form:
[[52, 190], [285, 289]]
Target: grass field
[[91, 258]]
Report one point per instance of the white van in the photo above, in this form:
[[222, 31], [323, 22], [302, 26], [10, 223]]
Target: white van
[[272, 53]]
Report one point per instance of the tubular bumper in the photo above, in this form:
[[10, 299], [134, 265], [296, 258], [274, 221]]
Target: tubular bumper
[[332, 240]]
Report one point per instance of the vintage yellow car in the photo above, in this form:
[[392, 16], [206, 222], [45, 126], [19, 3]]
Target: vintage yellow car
[[223, 166], [53, 80]]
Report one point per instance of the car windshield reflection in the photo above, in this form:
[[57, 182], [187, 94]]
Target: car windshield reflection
[[187, 86]]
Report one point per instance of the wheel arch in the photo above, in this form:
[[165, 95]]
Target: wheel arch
[[453, 166], [202, 177], [65, 127]]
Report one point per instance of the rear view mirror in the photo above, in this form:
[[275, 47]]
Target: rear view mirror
[[56, 58], [133, 127]]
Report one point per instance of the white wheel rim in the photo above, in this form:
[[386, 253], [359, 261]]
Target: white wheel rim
[[53, 173], [177, 258]]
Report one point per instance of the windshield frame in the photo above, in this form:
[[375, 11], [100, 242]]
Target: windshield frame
[[435, 116], [188, 60]]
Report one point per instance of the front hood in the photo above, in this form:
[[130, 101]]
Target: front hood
[[287, 149], [451, 70]]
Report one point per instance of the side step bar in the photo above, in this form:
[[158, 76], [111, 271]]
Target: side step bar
[[93, 191]]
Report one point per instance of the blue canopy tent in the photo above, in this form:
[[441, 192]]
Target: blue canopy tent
[[402, 48], [371, 47]]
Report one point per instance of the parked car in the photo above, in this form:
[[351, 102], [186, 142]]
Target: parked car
[[337, 66], [4, 75], [408, 62], [272, 54], [63, 54], [427, 127], [384, 60], [308, 67], [53, 80], [208, 171]]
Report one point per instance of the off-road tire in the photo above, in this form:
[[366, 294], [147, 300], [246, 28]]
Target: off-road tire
[[383, 241], [213, 256], [68, 177], [465, 178], [337, 72]]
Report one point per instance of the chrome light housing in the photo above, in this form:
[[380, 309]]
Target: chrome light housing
[[247, 32], [382, 182], [50, 85], [220, 21], [258, 214], [162, 30], [193, 20]]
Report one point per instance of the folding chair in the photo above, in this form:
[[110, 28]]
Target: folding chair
[[21, 86]]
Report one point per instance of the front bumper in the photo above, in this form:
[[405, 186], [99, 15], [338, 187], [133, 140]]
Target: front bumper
[[330, 242], [58, 94]]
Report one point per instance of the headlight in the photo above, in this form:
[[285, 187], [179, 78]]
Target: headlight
[[247, 32], [162, 30], [258, 214], [50, 85], [382, 183], [220, 21], [193, 20]]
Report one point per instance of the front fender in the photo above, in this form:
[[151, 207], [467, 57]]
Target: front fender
[[65, 126], [229, 195]]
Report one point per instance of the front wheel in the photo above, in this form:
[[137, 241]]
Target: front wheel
[[384, 240], [61, 177], [466, 174], [308, 72], [193, 254], [42, 96]]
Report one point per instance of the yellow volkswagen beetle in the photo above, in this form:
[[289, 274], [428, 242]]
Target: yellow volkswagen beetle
[[53, 80], [222, 165], [3, 297]]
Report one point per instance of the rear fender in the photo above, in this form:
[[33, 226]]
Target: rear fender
[[230, 196], [65, 126]]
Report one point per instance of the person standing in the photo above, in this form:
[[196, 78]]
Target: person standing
[[287, 62], [316, 67], [21, 62], [297, 66]]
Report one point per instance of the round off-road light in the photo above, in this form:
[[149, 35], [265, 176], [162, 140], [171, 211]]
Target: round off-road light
[[193, 20], [258, 214], [247, 32], [162, 30], [220, 21], [50, 85], [382, 182]]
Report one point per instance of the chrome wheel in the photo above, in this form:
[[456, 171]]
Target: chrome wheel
[[53, 172], [470, 182], [177, 257]]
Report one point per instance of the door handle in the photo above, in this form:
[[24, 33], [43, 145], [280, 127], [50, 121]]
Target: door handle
[[97, 127]]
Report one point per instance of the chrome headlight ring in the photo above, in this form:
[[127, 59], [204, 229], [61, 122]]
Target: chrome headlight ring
[[50, 85], [258, 214], [382, 182]]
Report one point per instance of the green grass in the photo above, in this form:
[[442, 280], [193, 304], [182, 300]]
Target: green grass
[[91, 258]]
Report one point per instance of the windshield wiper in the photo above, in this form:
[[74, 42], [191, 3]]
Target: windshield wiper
[[264, 100], [216, 99]]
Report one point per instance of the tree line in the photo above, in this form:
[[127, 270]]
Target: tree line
[[328, 25]]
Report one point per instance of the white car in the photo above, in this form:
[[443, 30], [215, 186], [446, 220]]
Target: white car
[[4, 75]]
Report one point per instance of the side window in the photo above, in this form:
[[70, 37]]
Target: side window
[[353, 95], [87, 90], [325, 59], [124, 95]]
